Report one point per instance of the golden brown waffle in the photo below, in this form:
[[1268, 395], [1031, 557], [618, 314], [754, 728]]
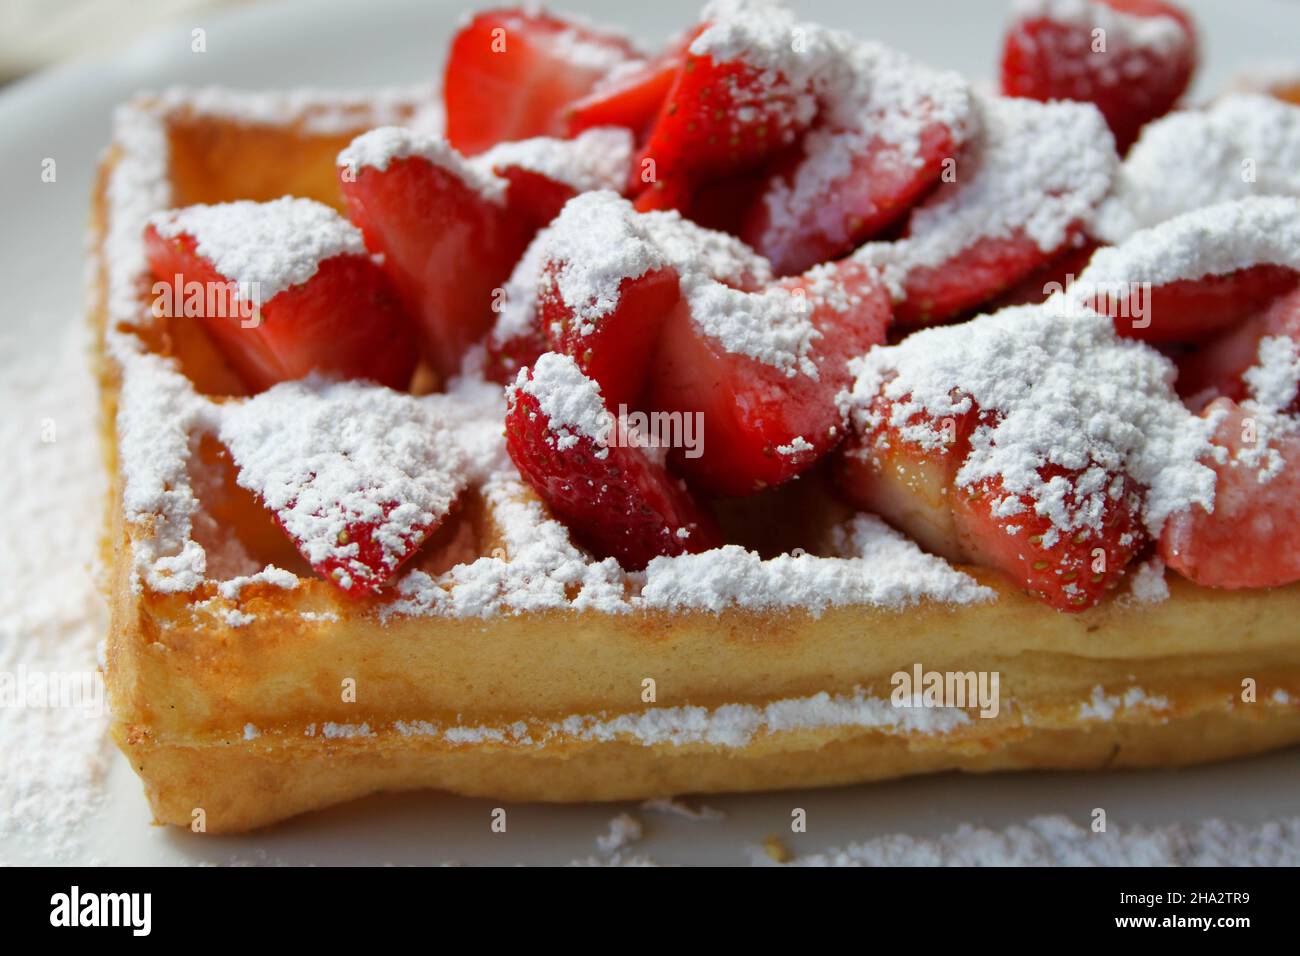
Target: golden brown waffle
[[256, 700]]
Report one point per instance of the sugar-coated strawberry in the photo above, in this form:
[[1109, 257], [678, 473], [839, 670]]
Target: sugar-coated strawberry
[[1217, 369], [631, 97], [513, 73], [1070, 569], [357, 476], [1192, 310], [615, 349], [720, 117], [444, 229], [1132, 59], [544, 173], [980, 272], [1252, 537], [315, 301], [907, 481], [615, 499], [804, 217], [1050, 278], [762, 370], [1019, 197]]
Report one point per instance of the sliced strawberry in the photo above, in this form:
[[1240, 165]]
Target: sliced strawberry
[[324, 304], [720, 117], [1021, 192], [1055, 276], [906, 481], [1070, 569], [1252, 538], [631, 97], [513, 73], [1193, 310], [763, 370], [980, 272], [598, 282], [888, 130], [1218, 368], [804, 217], [545, 173], [614, 498], [357, 476], [444, 230], [1132, 59], [614, 350]]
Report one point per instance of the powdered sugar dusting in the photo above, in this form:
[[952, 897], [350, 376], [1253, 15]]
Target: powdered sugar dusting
[[569, 399], [1241, 146], [597, 159], [380, 147], [877, 566], [1123, 30], [1058, 841], [272, 246], [1217, 240]]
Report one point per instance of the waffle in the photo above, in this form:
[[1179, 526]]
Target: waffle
[[506, 663]]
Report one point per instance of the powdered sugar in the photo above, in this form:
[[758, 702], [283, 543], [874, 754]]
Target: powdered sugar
[[1033, 170], [380, 147], [271, 246], [773, 326], [1241, 146], [1112, 706], [1058, 841], [731, 725], [1217, 240], [1147, 584], [569, 399], [876, 566], [597, 159], [328, 457]]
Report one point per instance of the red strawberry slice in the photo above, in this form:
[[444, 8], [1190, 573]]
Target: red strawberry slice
[[513, 73], [1071, 570], [980, 272], [1057, 275], [1218, 368], [613, 350], [445, 231], [542, 174], [888, 130], [613, 497], [720, 117], [598, 283], [908, 483], [1192, 310], [1022, 189], [324, 304], [631, 97], [804, 217], [357, 476], [1252, 538], [762, 370], [1132, 59]]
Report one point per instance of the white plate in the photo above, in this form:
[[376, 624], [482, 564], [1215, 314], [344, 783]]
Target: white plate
[[341, 43]]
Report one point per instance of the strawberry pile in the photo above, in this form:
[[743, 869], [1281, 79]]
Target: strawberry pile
[[709, 239]]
